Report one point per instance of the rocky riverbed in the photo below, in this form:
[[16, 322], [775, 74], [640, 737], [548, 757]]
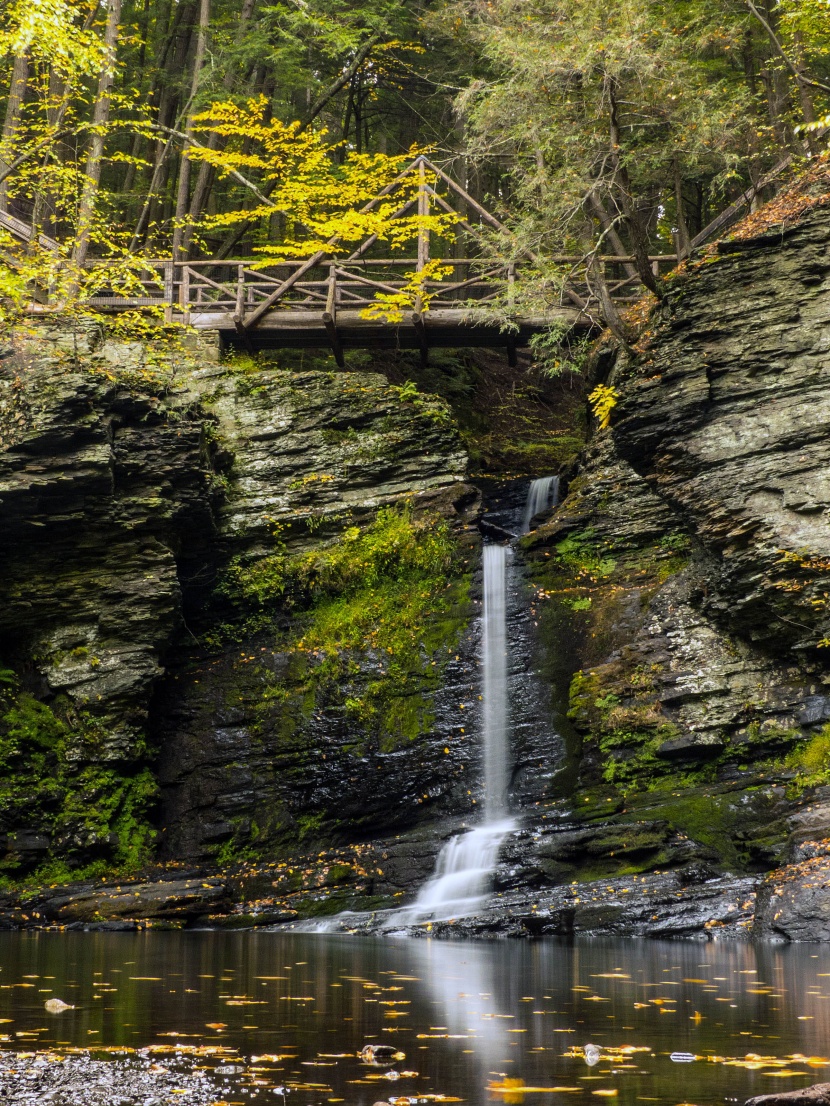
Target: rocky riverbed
[[55, 1078]]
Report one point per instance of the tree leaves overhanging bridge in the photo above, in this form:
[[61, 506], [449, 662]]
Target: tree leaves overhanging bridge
[[446, 289]]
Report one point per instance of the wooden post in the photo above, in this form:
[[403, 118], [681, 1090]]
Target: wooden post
[[168, 291], [330, 317], [423, 210], [184, 293], [421, 335], [423, 258], [239, 313]]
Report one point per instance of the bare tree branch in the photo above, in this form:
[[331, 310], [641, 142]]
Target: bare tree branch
[[783, 54]]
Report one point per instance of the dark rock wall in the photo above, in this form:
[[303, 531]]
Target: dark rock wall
[[725, 416], [129, 476], [103, 490], [675, 608]]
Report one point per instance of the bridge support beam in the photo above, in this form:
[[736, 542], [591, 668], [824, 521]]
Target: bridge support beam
[[334, 341], [421, 335], [330, 318]]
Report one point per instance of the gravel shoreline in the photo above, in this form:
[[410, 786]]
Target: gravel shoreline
[[56, 1078]]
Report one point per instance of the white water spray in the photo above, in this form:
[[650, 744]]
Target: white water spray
[[542, 494], [464, 868], [494, 681], [465, 865]]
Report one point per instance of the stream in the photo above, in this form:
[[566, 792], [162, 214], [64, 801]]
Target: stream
[[294, 1016], [669, 1022]]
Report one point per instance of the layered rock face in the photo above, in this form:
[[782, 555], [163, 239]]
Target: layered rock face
[[130, 478], [689, 567], [668, 629], [726, 418]]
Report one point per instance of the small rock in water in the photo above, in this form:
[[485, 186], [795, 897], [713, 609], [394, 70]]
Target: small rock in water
[[817, 1095], [380, 1054], [591, 1054], [57, 1005]]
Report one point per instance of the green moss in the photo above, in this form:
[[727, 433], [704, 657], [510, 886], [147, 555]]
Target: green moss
[[552, 454], [364, 627], [710, 818], [51, 784], [630, 754], [811, 761], [309, 824], [583, 554], [382, 608]]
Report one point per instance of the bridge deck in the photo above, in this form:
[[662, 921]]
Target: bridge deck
[[445, 328]]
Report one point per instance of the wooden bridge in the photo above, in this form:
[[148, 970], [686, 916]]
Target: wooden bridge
[[337, 301]]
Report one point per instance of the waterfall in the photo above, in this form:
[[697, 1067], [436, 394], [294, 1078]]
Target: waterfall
[[494, 681], [464, 866], [463, 875], [542, 494]]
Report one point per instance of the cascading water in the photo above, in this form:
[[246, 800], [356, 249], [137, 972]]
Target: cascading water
[[542, 494], [464, 868], [463, 875], [465, 865], [494, 681]]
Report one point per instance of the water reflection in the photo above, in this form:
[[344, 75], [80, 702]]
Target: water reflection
[[670, 1022]]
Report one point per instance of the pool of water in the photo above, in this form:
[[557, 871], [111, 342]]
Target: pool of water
[[477, 1022]]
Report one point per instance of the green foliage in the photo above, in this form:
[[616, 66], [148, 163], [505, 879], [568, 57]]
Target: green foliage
[[582, 553], [811, 762], [50, 784], [626, 124], [558, 351]]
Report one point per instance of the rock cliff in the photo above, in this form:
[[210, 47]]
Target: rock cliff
[[239, 625], [135, 480]]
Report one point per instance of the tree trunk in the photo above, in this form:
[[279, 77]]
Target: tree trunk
[[170, 62], [100, 117], [610, 316], [597, 208], [183, 195], [684, 241], [14, 106], [207, 174], [628, 206]]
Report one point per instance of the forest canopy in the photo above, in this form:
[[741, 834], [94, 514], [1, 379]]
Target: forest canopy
[[239, 128]]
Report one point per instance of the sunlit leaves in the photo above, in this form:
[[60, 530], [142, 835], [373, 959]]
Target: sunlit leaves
[[320, 193], [54, 31]]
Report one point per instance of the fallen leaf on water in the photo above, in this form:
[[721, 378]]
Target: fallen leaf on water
[[518, 1087]]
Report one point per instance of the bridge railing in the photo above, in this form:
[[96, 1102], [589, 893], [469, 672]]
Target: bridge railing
[[233, 287]]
